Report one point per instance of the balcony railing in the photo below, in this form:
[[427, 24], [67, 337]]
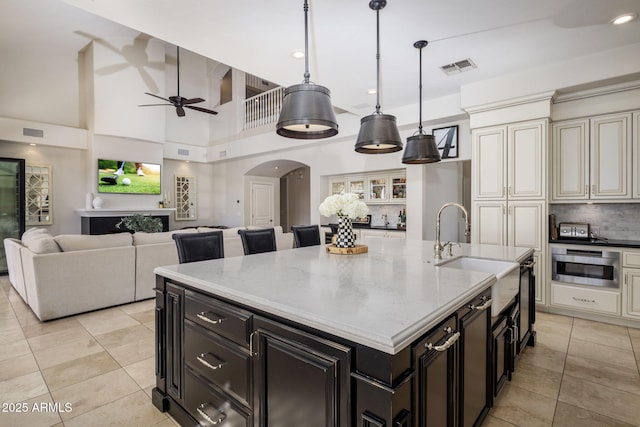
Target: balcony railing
[[263, 109]]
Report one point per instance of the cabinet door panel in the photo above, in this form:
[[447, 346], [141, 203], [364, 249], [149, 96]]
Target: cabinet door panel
[[527, 161], [489, 154], [489, 223], [570, 160], [631, 294], [526, 224], [635, 148], [610, 157]]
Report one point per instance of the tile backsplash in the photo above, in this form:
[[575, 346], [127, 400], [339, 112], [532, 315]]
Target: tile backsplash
[[617, 221], [376, 212]]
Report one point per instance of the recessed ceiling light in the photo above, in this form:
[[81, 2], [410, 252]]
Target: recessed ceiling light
[[623, 19], [298, 54], [371, 92]]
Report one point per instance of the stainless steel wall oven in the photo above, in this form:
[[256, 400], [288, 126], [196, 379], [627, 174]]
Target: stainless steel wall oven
[[586, 267]]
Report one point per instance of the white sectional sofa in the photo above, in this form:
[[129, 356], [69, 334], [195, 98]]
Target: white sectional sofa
[[74, 273]]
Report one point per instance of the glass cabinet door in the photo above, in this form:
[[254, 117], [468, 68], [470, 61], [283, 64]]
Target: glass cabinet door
[[357, 187], [378, 189], [338, 187], [398, 188]]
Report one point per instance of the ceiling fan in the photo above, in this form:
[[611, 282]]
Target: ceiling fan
[[178, 101]]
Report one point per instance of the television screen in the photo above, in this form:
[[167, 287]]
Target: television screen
[[117, 176]]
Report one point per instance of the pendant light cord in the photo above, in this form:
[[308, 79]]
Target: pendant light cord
[[178, 66], [306, 43], [420, 100], [378, 61]]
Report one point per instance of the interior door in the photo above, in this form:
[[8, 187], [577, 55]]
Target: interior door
[[262, 204], [12, 217]]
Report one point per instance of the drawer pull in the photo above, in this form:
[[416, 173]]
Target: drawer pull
[[584, 300], [211, 414], [211, 361], [486, 304], [448, 343], [217, 320]]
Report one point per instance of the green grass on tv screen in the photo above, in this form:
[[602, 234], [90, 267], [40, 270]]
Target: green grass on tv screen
[[116, 178]]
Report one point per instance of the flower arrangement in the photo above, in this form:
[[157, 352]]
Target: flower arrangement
[[139, 222], [346, 205]]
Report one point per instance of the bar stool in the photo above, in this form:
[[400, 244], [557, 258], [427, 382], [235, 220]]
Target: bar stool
[[306, 235], [199, 246], [258, 241]]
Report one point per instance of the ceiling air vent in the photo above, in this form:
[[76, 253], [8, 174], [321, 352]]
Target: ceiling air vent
[[458, 67]]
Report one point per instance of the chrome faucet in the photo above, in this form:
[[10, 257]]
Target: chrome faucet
[[439, 247]]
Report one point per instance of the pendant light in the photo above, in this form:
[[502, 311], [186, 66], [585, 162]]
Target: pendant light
[[306, 111], [421, 148], [378, 132]]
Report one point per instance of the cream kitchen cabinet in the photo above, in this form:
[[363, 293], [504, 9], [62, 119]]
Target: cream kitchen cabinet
[[631, 284], [337, 186], [514, 224], [636, 154], [388, 187], [378, 189], [389, 234], [591, 158], [509, 162]]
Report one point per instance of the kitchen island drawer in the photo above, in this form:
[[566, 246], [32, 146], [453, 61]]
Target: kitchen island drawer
[[224, 319], [223, 364], [209, 407], [595, 300]]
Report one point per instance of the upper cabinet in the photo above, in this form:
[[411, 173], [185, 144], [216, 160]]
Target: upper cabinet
[[591, 158], [509, 162], [378, 187], [636, 155]]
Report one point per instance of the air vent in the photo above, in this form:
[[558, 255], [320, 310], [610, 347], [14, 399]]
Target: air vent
[[183, 152], [38, 133], [223, 153], [458, 67]]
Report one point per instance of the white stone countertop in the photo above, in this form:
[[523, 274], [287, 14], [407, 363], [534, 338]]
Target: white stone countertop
[[384, 299]]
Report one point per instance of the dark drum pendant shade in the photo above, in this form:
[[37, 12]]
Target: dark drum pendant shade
[[378, 132], [306, 111], [421, 148]]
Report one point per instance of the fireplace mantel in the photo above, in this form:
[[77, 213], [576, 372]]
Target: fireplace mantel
[[104, 221]]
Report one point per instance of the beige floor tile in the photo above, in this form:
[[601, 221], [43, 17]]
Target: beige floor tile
[[50, 326], [103, 321], [555, 318], [602, 353], [14, 349], [132, 410], [573, 416], [603, 400], [95, 392], [18, 366], [170, 422], [22, 388], [607, 374], [42, 342], [124, 336], [601, 333], [544, 357], [78, 370], [524, 408], [143, 372], [553, 339], [134, 351], [140, 306], [9, 334], [634, 334], [66, 352], [144, 316], [538, 380], [492, 421], [39, 412]]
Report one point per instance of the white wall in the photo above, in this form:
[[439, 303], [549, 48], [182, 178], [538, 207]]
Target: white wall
[[204, 184]]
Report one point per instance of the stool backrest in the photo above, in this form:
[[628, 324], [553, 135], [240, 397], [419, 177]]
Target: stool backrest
[[306, 235], [199, 246], [258, 241]]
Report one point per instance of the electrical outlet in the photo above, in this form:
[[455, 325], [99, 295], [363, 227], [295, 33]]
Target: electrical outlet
[[595, 231]]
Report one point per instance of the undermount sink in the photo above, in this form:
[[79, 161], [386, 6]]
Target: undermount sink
[[507, 274]]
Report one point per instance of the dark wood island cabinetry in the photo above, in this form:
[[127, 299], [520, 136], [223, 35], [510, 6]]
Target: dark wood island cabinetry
[[225, 362]]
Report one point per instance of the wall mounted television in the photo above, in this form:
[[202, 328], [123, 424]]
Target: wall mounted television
[[125, 177]]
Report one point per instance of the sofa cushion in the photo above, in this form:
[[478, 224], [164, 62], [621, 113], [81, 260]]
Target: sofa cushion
[[231, 232], [277, 229], [143, 238], [44, 245], [33, 234], [81, 242]]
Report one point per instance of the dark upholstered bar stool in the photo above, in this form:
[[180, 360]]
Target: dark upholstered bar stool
[[306, 235], [258, 241], [199, 246]]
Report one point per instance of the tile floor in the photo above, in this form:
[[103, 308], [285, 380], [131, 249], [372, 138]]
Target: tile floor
[[101, 365]]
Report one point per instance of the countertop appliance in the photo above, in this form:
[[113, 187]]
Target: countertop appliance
[[585, 267], [574, 230]]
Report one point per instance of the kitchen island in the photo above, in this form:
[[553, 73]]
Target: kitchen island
[[303, 337]]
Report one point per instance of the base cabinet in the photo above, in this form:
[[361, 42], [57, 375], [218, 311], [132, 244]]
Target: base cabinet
[[219, 363]]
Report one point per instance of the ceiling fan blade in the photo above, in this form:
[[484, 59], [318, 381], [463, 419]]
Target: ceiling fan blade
[[153, 105], [180, 111], [204, 110], [192, 101], [164, 99]]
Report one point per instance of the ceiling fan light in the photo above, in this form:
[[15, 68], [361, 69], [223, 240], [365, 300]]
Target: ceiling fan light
[[421, 149], [378, 135], [307, 113]]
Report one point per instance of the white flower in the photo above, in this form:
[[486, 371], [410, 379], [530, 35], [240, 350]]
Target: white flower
[[348, 205]]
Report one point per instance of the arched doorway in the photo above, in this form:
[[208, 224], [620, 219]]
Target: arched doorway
[[290, 181]]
